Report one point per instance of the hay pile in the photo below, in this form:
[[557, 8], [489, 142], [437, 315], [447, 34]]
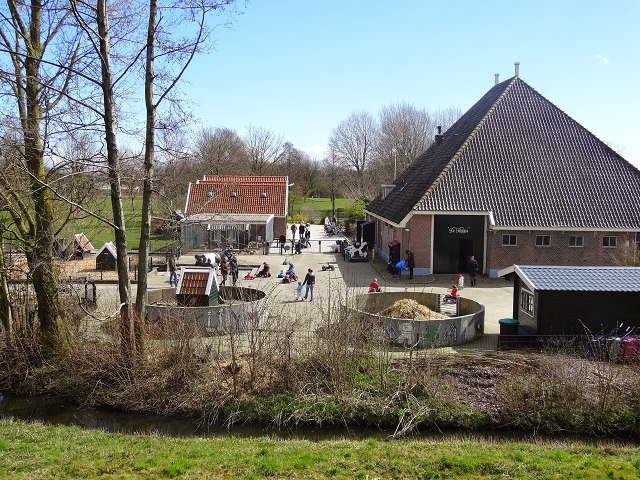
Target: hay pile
[[408, 308]]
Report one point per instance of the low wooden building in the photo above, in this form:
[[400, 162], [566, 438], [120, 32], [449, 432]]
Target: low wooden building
[[197, 287], [74, 248], [107, 257], [560, 300]]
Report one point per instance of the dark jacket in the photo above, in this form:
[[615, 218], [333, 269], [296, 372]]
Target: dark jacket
[[309, 279], [473, 267]]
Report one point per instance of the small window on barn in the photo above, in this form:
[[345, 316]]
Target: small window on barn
[[575, 241], [543, 240], [526, 302], [509, 240], [610, 242]]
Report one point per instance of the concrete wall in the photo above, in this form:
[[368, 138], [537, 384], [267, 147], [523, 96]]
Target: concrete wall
[[232, 316], [421, 333]]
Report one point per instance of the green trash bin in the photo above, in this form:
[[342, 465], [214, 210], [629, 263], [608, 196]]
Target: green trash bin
[[508, 333], [508, 326]]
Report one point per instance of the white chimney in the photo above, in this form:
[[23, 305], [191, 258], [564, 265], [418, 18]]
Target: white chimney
[[497, 78], [517, 64]]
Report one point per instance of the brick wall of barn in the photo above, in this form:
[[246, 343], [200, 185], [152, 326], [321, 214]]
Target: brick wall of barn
[[419, 239], [558, 252]]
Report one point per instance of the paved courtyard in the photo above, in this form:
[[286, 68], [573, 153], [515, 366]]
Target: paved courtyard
[[350, 278]]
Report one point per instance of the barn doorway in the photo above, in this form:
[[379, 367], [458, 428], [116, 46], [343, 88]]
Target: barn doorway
[[465, 250]]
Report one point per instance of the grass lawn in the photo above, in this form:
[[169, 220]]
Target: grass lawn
[[99, 232], [38, 451], [315, 209]]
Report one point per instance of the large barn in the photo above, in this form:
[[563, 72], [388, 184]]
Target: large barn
[[514, 181]]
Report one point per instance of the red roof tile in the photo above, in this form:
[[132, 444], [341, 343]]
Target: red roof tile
[[238, 194]]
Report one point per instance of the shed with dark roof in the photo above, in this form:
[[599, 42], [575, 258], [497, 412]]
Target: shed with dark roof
[[558, 300], [515, 180]]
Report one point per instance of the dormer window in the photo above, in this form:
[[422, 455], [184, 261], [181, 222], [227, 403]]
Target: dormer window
[[387, 189]]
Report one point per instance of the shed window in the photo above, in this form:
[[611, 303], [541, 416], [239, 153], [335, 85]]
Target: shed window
[[509, 240], [543, 240], [610, 242], [575, 241], [526, 302]]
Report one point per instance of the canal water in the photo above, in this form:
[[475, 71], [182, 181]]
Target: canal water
[[56, 411]]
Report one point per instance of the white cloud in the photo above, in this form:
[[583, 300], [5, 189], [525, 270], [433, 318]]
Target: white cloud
[[316, 151], [602, 58]]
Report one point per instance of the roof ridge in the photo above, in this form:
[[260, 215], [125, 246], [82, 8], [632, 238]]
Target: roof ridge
[[468, 140]]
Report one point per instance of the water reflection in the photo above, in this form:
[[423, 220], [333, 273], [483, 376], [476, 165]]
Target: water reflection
[[56, 411]]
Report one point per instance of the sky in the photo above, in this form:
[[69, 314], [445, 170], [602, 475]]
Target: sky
[[300, 67]]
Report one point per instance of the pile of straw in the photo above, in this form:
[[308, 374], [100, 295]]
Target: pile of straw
[[408, 308]]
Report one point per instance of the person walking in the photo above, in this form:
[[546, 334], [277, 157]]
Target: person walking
[[307, 236], [473, 270], [301, 232], [310, 282], [411, 263], [233, 266], [293, 231], [283, 241], [173, 276], [299, 292]]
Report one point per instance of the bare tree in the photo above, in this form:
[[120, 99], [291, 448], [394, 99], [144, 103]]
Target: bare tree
[[335, 176], [263, 149], [406, 132], [39, 47], [219, 149], [353, 142], [162, 44]]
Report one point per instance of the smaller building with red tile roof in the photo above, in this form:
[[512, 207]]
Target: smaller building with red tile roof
[[234, 209]]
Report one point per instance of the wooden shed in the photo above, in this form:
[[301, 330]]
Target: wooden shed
[[74, 248], [197, 287], [106, 257], [561, 300]]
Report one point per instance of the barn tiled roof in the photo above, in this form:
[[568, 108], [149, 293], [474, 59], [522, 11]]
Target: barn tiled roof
[[589, 279], [232, 194], [517, 155]]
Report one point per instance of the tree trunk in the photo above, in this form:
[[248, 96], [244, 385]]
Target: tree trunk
[[127, 339], [5, 299], [44, 273], [149, 165]]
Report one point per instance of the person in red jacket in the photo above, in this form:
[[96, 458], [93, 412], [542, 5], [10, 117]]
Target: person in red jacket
[[374, 286]]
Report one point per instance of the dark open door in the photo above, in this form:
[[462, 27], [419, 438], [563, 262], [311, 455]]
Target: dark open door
[[465, 250]]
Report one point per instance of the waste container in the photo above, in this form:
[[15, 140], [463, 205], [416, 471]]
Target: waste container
[[508, 326], [508, 333], [267, 247]]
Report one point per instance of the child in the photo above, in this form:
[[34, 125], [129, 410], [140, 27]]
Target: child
[[453, 295], [299, 292], [460, 281]]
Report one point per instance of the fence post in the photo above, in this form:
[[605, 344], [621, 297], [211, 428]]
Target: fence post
[[319, 246]]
